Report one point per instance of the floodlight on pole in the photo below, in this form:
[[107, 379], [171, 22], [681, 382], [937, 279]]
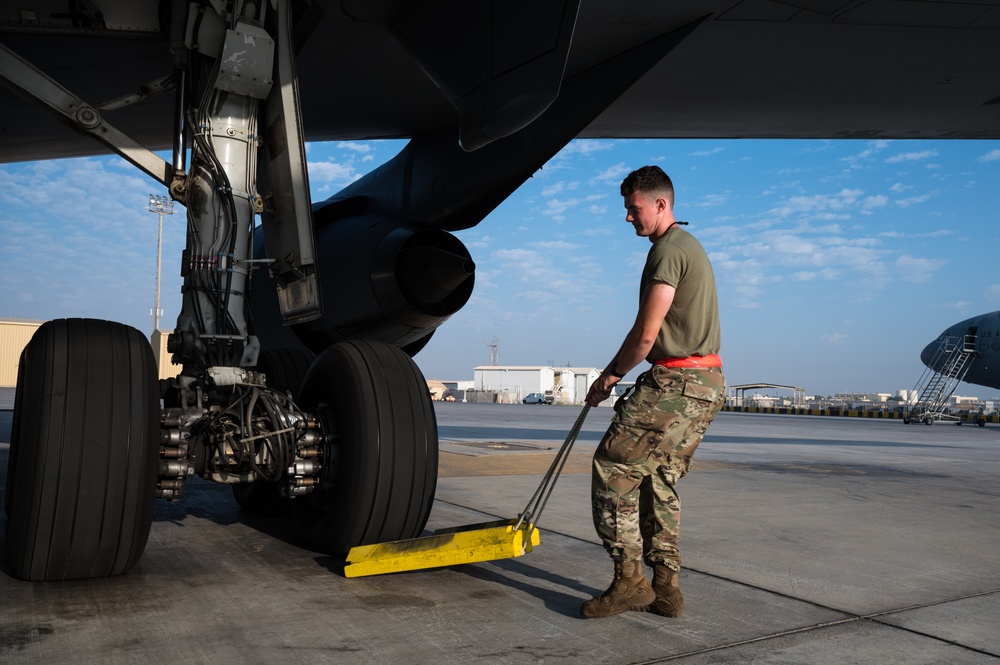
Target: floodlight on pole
[[161, 205]]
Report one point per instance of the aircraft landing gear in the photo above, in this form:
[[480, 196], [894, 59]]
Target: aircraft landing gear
[[284, 369], [96, 438], [81, 476]]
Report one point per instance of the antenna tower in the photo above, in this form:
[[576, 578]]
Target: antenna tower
[[494, 345]]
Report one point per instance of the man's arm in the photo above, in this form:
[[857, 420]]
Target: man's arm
[[653, 308]]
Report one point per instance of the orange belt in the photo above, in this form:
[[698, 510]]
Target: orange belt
[[711, 360]]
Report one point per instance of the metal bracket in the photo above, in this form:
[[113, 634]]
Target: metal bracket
[[287, 215], [24, 79], [162, 84]]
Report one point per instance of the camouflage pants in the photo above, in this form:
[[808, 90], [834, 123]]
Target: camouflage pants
[[646, 450]]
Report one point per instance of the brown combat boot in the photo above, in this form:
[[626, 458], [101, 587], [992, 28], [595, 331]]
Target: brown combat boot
[[629, 590], [669, 601]]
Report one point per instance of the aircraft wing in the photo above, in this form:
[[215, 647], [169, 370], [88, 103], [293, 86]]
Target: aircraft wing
[[389, 69]]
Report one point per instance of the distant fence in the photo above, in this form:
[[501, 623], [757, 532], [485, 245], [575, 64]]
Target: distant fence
[[850, 413]]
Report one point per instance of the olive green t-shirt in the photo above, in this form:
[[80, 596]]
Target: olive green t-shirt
[[691, 327]]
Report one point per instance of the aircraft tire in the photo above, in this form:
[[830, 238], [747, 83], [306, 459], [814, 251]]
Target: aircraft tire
[[380, 462], [285, 369], [83, 463]]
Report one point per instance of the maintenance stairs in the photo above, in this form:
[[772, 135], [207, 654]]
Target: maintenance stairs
[[952, 361]]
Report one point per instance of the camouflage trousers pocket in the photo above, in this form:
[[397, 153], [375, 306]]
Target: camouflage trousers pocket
[[700, 392], [628, 443]]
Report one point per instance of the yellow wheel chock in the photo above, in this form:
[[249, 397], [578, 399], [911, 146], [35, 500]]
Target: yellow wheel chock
[[503, 539], [488, 541]]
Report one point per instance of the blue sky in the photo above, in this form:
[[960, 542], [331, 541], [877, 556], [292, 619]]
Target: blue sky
[[836, 261]]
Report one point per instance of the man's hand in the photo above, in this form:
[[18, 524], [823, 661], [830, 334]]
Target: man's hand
[[600, 389]]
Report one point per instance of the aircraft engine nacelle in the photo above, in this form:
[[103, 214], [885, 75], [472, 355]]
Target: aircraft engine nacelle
[[379, 280]]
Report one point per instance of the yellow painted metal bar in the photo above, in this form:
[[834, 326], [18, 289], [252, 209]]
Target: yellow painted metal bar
[[446, 547]]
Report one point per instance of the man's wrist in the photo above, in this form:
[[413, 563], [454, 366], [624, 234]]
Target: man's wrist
[[612, 370]]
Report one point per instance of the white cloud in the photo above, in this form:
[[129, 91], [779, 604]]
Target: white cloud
[[931, 234], [712, 200], [991, 156], [788, 244], [854, 161], [559, 187], [557, 208], [835, 338], [911, 156], [636, 260], [814, 275], [917, 270], [538, 296], [612, 176], [571, 283], [480, 243], [331, 173], [959, 305], [806, 205], [556, 245], [354, 146], [587, 147], [913, 200], [870, 203]]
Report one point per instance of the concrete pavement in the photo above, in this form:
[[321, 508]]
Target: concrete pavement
[[805, 540]]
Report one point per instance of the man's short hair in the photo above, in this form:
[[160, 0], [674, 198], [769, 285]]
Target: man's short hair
[[649, 180]]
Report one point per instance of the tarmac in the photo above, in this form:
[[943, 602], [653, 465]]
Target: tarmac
[[806, 540]]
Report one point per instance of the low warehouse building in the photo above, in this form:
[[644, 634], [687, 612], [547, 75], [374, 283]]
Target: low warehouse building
[[14, 336], [511, 382], [566, 385]]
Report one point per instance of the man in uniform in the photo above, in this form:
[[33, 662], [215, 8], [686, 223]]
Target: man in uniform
[[653, 436]]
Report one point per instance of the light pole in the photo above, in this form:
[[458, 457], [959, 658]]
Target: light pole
[[162, 205]]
